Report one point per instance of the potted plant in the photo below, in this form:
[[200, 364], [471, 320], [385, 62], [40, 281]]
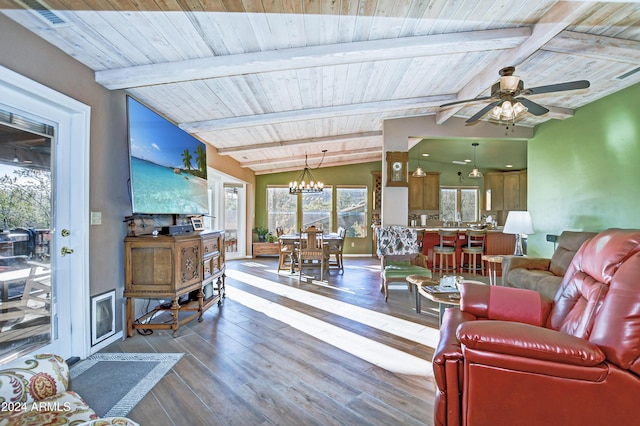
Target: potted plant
[[262, 233], [271, 238]]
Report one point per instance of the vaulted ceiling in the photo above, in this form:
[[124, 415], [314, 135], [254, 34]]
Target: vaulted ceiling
[[267, 82]]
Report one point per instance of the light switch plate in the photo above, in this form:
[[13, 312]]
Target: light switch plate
[[96, 218]]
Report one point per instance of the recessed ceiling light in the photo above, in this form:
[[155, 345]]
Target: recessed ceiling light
[[425, 155], [509, 166], [467, 161]]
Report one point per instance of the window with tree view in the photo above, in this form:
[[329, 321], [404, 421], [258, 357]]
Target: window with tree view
[[351, 206], [459, 204], [316, 209], [281, 209]]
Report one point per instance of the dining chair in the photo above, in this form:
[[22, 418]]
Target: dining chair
[[311, 248], [336, 247], [286, 252]]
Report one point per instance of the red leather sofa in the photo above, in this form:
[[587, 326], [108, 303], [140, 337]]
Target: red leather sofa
[[510, 356]]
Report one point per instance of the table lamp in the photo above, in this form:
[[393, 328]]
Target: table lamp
[[518, 223]]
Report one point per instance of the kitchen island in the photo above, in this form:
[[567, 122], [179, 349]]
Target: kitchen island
[[496, 243]]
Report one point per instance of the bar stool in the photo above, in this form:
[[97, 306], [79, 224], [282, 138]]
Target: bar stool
[[446, 248], [474, 249]]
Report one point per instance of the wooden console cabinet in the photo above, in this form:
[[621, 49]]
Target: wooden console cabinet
[[260, 249], [169, 267]]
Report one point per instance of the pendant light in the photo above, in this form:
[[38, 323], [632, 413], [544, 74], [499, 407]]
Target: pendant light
[[475, 173], [419, 172]]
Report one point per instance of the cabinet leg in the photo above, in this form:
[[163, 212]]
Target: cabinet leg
[[175, 309], [200, 304], [129, 317]]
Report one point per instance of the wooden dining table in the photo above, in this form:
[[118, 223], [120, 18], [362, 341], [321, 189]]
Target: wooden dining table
[[292, 239]]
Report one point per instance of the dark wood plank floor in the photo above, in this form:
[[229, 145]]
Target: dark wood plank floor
[[243, 367]]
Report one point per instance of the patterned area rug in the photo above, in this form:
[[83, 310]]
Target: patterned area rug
[[112, 383]]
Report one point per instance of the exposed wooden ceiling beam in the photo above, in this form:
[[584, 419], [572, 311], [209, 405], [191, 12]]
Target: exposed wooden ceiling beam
[[306, 141], [560, 16], [559, 113], [314, 157], [368, 159], [311, 56], [596, 47], [314, 113]]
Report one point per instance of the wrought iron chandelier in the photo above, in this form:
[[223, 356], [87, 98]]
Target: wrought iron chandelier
[[306, 183]]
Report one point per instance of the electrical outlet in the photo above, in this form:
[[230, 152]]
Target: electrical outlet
[[353, 244]]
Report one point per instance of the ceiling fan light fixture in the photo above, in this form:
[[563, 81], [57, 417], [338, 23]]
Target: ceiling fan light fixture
[[519, 109], [508, 111], [509, 83]]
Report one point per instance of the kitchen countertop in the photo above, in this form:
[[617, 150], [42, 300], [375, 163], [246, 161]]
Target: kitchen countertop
[[455, 228]]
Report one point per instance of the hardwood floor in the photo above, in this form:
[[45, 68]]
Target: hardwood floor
[[286, 352]]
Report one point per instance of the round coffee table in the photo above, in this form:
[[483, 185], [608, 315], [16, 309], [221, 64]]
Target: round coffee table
[[419, 281], [444, 300]]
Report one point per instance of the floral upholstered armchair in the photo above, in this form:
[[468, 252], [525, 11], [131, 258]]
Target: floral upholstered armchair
[[33, 392], [400, 256]]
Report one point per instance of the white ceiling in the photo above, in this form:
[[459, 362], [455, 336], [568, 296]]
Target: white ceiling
[[267, 82]]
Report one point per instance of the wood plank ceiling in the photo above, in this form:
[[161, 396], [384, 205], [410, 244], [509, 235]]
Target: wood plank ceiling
[[267, 82]]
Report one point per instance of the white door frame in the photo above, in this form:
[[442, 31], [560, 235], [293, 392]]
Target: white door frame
[[71, 120], [216, 184]]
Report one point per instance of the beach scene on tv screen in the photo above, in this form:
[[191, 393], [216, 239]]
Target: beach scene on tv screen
[[168, 166]]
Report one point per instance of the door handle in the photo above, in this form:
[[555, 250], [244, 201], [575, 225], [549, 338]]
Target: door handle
[[65, 251]]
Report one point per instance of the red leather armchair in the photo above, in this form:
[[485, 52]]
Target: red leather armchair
[[512, 356]]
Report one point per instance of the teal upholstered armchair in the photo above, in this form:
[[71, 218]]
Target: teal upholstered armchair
[[400, 256]]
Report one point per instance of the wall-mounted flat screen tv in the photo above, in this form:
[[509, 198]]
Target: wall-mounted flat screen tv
[[168, 166]]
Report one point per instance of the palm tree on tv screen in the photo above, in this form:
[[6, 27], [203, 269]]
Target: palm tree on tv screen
[[186, 159], [201, 159]]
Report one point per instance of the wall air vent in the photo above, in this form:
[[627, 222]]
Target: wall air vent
[[44, 12], [628, 74]]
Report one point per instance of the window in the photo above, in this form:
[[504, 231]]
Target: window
[[459, 204], [351, 206], [316, 209], [345, 205], [281, 209]]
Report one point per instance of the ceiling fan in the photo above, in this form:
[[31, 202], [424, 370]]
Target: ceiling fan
[[509, 101]]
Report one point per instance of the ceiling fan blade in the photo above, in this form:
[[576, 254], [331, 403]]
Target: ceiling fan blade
[[484, 98], [560, 87], [478, 115], [532, 107]]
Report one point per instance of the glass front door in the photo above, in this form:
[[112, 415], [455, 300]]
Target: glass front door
[[231, 219], [27, 292]]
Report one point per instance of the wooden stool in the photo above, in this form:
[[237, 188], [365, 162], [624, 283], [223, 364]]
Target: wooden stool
[[446, 249], [474, 249]]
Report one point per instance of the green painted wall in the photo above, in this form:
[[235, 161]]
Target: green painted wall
[[358, 174], [584, 172]]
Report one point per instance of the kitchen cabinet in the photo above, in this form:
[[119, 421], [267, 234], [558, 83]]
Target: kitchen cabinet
[[495, 183], [424, 192], [508, 190]]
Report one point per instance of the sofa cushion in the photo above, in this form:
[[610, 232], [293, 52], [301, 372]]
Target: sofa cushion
[[568, 244], [404, 271], [528, 278]]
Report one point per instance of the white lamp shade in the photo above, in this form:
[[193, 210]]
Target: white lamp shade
[[518, 222]]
